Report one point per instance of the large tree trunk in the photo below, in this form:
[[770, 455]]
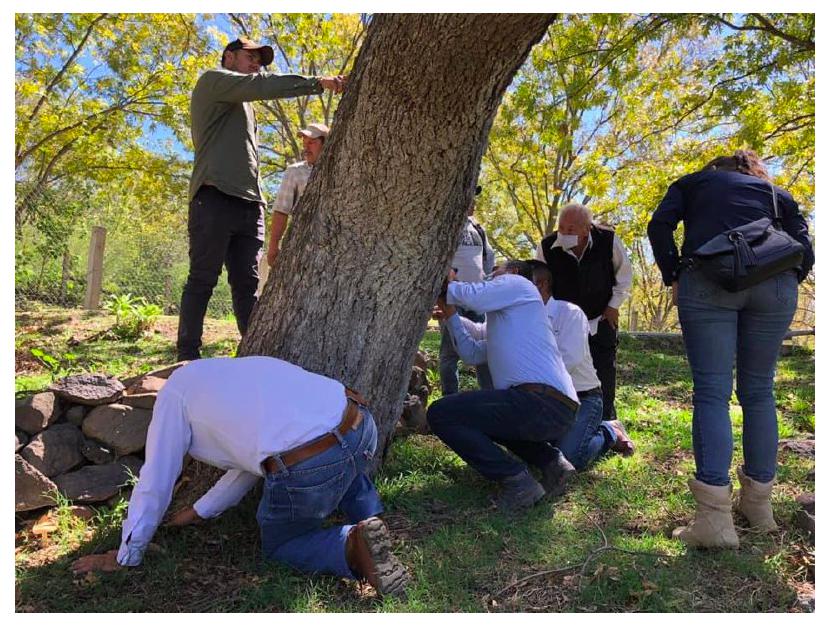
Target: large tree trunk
[[373, 233]]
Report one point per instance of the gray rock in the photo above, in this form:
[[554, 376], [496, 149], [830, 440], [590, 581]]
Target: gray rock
[[808, 502], [147, 384], [36, 413], [805, 517], [414, 415], [75, 414], [20, 440], [89, 389], [32, 489], [420, 360], [140, 400], [801, 447], [55, 450], [97, 483], [417, 380], [96, 452], [163, 373], [120, 427], [423, 393]]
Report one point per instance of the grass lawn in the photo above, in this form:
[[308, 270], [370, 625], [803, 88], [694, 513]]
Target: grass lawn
[[603, 547]]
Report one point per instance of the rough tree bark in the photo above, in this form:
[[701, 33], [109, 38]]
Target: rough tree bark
[[375, 229]]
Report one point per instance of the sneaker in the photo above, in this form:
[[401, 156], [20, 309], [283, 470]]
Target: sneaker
[[624, 445], [519, 492], [369, 555], [557, 474]]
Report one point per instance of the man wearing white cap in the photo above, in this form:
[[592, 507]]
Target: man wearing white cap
[[291, 189]]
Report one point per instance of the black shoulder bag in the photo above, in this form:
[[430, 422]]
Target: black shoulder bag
[[739, 258]]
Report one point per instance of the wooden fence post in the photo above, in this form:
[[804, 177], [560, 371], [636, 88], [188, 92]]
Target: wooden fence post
[[95, 268], [633, 319]]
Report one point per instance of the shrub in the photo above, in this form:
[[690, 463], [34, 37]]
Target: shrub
[[133, 315]]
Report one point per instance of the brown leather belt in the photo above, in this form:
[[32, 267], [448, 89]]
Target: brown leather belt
[[352, 417], [585, 393], [550, 391]]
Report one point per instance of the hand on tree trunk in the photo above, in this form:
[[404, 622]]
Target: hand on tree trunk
[[271, 256], [333, 83]]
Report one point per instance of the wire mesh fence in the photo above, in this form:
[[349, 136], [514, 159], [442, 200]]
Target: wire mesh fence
[[56, 251], [56, 255]]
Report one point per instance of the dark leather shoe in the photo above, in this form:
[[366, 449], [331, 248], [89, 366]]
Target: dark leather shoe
[[557, 474], [519, 492], [369, 556], [624, 445]]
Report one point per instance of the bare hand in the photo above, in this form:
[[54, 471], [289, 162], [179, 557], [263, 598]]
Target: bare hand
[[185, 517], [612, 315], [96, 562], [333, 83], [443, 310], [271, 256], [675, 293]]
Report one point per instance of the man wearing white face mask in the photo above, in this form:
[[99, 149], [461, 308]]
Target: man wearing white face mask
[[590, 268]]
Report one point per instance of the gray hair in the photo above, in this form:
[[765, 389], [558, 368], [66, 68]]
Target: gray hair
[[578, 208]]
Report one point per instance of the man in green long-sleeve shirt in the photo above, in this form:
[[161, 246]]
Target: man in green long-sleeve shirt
[[225, 221]]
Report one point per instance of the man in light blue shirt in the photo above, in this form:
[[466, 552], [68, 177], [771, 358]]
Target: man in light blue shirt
[[533, 400]]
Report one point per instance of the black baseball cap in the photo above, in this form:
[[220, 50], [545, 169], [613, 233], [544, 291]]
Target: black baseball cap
[[243, 43]]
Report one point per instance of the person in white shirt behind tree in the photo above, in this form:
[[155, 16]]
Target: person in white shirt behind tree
[[590, 437], [308, 436]]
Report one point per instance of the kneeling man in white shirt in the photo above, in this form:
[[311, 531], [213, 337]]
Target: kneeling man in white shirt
[[311, 440]]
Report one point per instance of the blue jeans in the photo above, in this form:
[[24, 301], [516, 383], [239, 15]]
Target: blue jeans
[[719, 328], [470, 423], [590, 437], [296, 501], [449, 360]]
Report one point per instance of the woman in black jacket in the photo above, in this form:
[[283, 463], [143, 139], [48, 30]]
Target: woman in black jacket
[[721, 327]]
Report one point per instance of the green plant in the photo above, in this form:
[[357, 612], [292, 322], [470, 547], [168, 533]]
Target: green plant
[[59, 366], [133, 315]]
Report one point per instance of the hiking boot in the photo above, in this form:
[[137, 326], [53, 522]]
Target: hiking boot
[[519, 492], [713, 522], [557, 474], [754, 502], [624, 445], [369, 556]]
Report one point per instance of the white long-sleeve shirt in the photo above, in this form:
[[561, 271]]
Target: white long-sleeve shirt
[[622, 268], [571, 332], [231, 413], [516, 340], [473, 258]]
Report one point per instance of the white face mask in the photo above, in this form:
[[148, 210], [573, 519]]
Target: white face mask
[[567, 241]]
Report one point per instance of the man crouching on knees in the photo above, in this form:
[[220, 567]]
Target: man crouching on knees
[[533, 402], [260, 417]]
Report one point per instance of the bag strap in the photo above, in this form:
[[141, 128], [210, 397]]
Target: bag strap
[[777, 219]]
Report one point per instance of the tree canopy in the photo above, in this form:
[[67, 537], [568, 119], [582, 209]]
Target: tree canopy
[[607, 110]]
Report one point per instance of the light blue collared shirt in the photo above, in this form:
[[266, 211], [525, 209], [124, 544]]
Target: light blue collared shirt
[[516, 340]]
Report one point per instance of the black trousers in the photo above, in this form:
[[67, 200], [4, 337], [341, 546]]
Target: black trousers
[[222, 229], [603, 347]]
